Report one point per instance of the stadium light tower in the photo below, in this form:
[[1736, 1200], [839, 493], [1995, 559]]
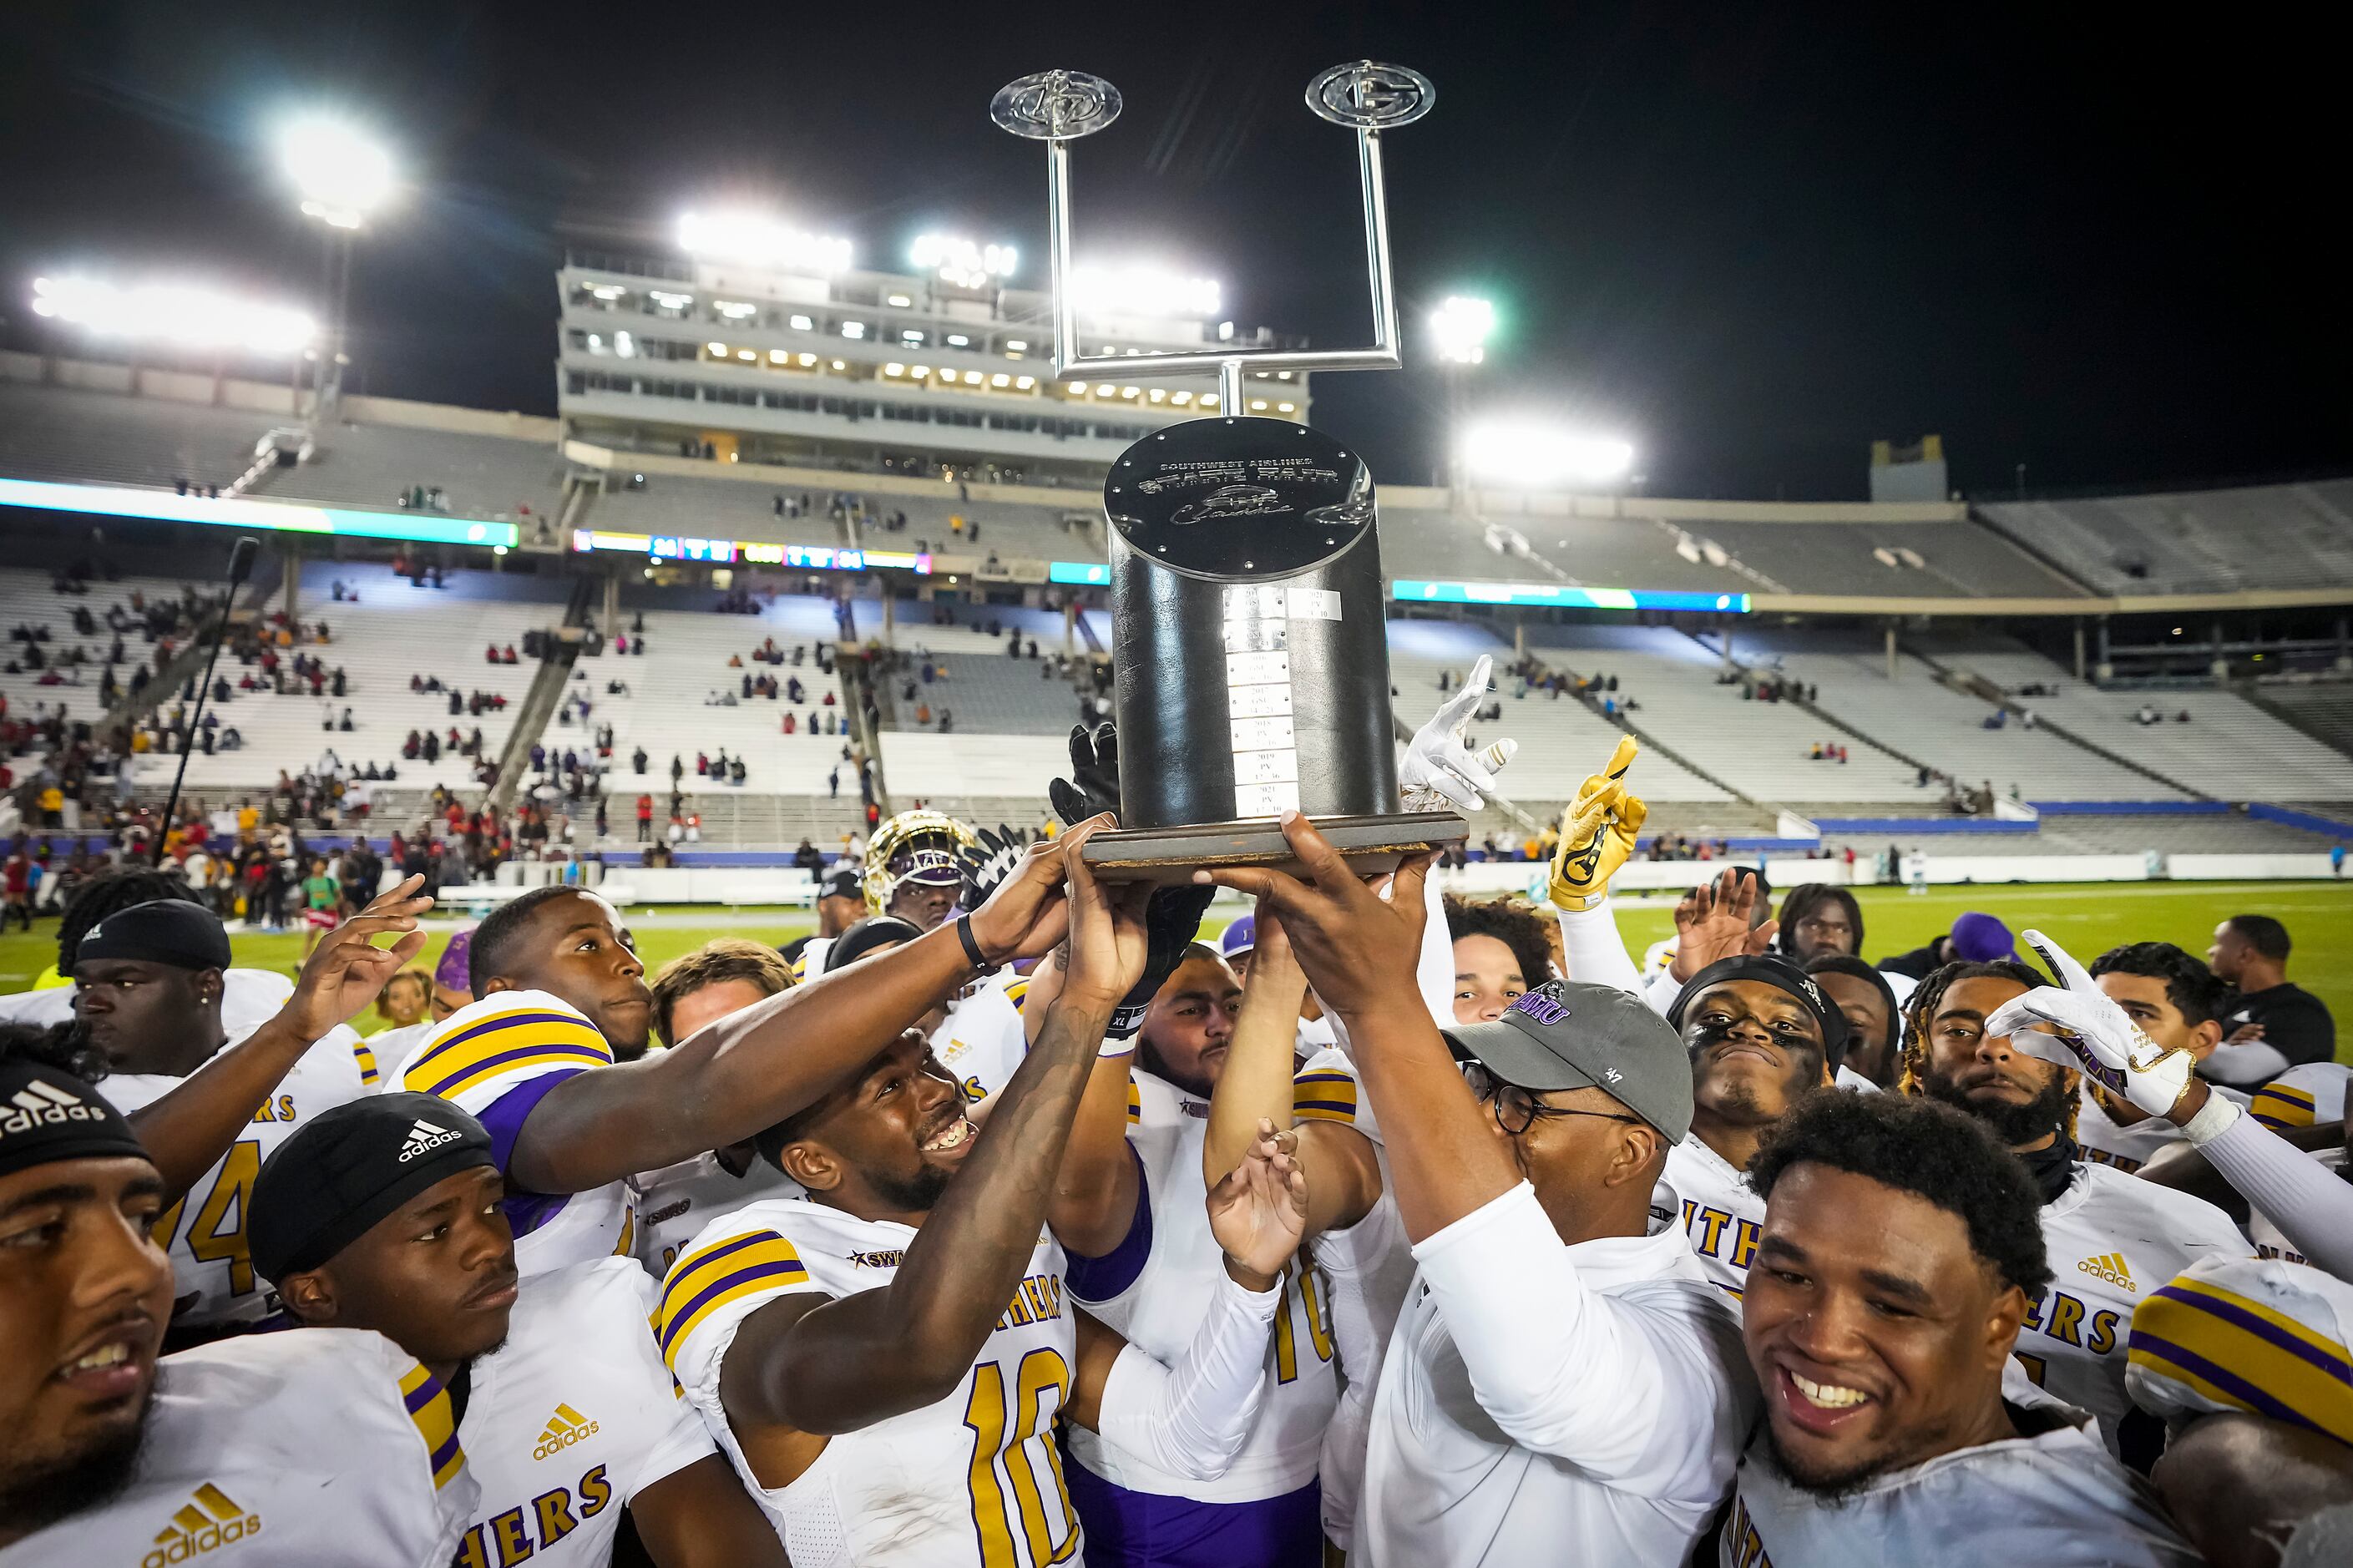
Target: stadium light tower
[[342, 177], [1536, 453], [1460, 326]]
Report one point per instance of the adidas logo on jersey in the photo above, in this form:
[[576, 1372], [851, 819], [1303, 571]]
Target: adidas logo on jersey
[[2112, 1267], [39, 1104], [565, 1428], [423, 1137], [206, 1522]]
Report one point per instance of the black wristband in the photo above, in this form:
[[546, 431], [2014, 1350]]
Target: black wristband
[[972, 946]]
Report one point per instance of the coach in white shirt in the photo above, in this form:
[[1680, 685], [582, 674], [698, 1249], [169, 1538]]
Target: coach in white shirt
[[1565, 1385]]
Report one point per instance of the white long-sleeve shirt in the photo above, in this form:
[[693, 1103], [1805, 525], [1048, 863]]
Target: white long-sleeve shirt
[[2311, 1204], [1544, 1403]]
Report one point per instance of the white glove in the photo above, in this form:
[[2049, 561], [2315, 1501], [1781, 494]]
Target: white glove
[[2093, 1035], [1439, 770]]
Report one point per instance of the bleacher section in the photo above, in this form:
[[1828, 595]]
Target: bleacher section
[[26, 599], [2229, 749], [375, 466], [2203, 541], [2324, 709], [988, 691], [97, 437], [393, 631], [1959, 558]]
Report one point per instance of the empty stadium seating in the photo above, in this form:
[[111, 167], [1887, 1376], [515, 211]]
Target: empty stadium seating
[[2287, 536], [99, 437], [377, 465]]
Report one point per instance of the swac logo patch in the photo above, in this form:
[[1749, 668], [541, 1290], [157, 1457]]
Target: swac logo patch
[[565, 1428], [206, 1522]]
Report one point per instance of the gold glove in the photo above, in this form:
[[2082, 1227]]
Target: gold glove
[[1598, 833]]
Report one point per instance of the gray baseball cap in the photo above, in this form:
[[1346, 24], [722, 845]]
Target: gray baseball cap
[[1568, 1033]]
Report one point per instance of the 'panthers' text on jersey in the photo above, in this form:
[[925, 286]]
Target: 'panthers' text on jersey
[[1722, 1214], [571, 1418], [972, 1481], [311, 1446], [204, 1232], [2111, 1239], [496, 1057]]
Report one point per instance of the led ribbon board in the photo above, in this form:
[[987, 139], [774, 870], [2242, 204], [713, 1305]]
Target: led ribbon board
[[280, 517], [756, 552], [1407, 590]]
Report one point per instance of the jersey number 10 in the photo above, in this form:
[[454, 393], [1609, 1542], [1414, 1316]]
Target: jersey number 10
[[1042, 1372]]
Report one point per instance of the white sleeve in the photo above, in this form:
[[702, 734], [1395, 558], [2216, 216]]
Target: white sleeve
[[1433, 971], [2250, 1061], [1662, 992], [1190, 1419], [668, 1430], [1559, 1368], [1595, 951], [2311, 1204]]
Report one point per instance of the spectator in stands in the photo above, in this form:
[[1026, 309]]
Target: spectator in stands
[[2272, 1024]]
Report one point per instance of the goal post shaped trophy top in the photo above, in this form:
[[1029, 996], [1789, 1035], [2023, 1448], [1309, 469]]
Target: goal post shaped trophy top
[[1249, 652]]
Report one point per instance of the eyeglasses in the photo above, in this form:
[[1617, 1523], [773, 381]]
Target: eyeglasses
[[1517, 1109]]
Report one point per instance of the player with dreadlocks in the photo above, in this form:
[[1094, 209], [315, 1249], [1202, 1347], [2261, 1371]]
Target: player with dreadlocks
[[2110, 1237]]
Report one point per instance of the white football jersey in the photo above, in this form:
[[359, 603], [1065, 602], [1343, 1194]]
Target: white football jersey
[[489, 1057], [2301, 1097], [571, 1417], [2111, 1239], [203, 1234], [2128, 1146], [1160, 1311], [1368, 1269], [678, 1201], [2053, 1498], [971, 1481], [283, 1450], [1722, 1214], [981, 1042]]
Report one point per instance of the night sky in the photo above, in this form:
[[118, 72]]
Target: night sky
[[1750, 240]]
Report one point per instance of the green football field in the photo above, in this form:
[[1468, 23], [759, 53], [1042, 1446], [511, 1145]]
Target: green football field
[[2086, 920]]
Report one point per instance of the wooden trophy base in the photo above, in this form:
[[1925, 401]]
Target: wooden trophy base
[[1166, 857]]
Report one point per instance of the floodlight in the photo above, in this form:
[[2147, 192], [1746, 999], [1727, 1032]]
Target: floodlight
[[1143, 290], [1462, 325], [1534, 453], [962, 263], [758, 240], [178, 315], [341, 173]]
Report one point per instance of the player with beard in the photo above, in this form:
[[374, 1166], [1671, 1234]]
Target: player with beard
[[853, 1350], [552, 1058], [337, 1443], [2111, 1237], [384, 1214], [1899, 1257], [1761, 1037]]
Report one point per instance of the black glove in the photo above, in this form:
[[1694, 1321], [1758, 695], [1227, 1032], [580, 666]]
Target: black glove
[[1172, 918], [1095, 764], [988, 863]]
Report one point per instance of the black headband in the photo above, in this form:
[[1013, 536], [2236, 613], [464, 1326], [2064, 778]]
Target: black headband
[[1781, 974], [349, 1167], [165, 931], [47, 1114]]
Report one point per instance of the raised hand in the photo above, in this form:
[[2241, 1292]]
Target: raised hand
[[1258, 1211], [987, 865], [1172, 919], [2089, 1033], [1109, 944], [1598, 832], [347, 971], [1712, 923], [1359, 950], [1093, 788], [1029, 911], [1440, 769]]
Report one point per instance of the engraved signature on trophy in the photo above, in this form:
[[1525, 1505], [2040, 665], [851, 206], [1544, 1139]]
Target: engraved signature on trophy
[[1232, 501]]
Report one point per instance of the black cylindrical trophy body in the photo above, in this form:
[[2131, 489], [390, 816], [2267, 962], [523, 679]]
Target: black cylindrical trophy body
[[1249, 648]]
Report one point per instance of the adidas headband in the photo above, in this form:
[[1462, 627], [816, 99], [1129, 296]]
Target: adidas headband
[[47, 1114], [349, 1167]]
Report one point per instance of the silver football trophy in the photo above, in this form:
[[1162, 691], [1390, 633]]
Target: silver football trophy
[[1249, 653]]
